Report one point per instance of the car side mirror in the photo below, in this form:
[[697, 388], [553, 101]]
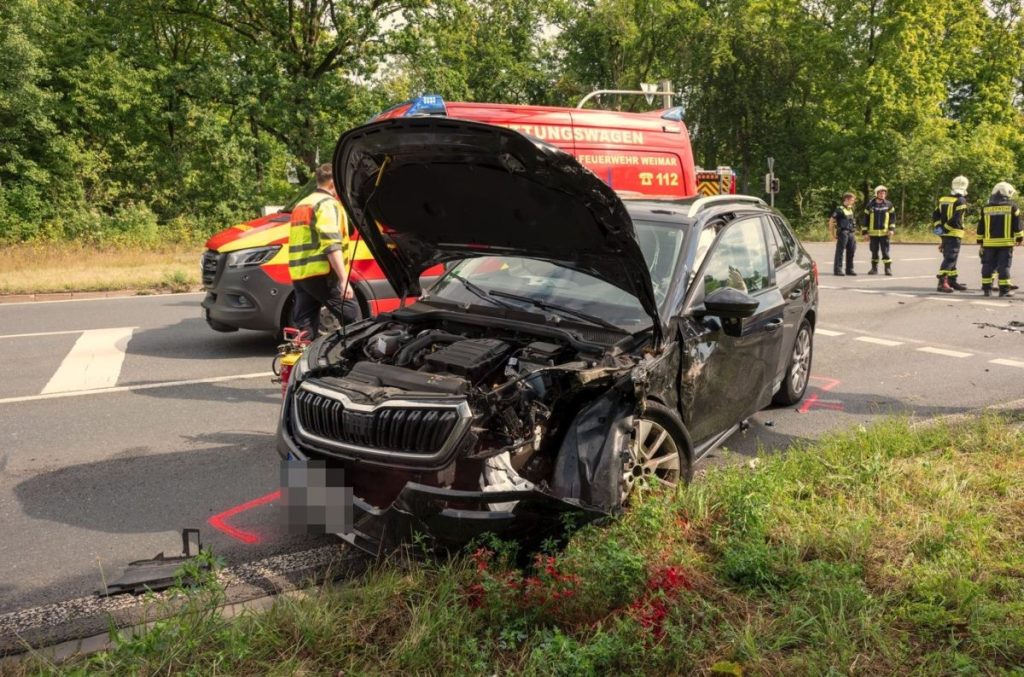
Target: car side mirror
[[730, 304]]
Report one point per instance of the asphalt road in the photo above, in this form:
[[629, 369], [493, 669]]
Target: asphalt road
[[123, 421]]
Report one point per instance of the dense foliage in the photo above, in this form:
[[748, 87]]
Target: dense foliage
[[146, 120]]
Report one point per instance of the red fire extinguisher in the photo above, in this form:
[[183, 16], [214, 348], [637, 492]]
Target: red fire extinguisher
[[288, 353]]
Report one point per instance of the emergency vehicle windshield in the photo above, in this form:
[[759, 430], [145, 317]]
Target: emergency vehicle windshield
[[306, 190], [496, 280]]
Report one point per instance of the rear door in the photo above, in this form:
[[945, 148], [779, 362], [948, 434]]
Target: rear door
[[728, 378]]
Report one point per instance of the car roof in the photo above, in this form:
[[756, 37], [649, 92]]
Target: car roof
[[679, 210]]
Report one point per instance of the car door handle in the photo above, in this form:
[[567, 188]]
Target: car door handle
[[796, 293], [773, 325]]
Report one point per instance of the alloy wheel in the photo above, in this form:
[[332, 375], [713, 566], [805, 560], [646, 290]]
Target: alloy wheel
[[800, 366], [653, 454]]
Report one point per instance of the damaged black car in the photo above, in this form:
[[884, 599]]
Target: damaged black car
[[578, 346]]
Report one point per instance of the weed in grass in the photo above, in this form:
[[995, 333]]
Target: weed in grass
[[177, 281]]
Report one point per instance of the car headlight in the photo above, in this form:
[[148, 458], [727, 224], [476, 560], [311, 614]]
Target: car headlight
[[256, 256]]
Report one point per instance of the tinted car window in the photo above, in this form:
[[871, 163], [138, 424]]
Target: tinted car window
[[787, 237], [780, 252], [740, 260]]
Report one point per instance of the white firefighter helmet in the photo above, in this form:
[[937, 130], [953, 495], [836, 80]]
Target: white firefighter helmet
[[1004, 188], [960, 184], [879, 189]]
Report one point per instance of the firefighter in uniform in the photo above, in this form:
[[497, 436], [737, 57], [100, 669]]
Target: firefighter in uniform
[[843, 226], [948, 223], [879, 223], [318, 257], [999, 230]]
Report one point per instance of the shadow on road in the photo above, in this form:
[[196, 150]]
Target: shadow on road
[[191, 339], [149, 493], [266, 392]]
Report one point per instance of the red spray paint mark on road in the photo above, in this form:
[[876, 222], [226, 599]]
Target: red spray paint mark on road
[[814, 401], [219, 521]]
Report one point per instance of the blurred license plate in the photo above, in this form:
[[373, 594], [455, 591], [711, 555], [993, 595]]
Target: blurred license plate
[[315, 498]]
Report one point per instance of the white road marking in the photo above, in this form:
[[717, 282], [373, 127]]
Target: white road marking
[[879, 341], [994, 304], [142, 386], [889, 278], [943, 351], [866, 291], [1008, 363], [944, 299], [104, 298], [930, 258], [94, 362], [828, 332], [43, 333], [906, 296]]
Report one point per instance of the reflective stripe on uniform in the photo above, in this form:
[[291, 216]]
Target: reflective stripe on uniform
[[311, 239], [997, 226]]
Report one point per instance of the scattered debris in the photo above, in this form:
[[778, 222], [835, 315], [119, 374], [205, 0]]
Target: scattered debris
[[769, 424], [1014, 326], [154, 574]]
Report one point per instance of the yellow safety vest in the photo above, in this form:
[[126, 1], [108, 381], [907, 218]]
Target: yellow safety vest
[[318, 226]]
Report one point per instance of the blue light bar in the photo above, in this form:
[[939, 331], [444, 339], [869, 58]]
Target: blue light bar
[[428, 104]]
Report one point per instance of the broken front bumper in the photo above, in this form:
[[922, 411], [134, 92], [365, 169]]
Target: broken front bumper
[[421, 510], [450, 518]]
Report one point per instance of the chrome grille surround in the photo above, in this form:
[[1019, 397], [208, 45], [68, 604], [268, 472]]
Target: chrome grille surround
[[425, 431]]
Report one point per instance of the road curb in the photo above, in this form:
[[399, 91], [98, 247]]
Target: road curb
[[62, 630], [86, 646], [85, 295]]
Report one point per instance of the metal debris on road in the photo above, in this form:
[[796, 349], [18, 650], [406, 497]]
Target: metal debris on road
[[155, 574]]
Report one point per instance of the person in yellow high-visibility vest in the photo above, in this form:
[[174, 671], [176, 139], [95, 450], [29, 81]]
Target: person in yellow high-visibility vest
[[319, 251]]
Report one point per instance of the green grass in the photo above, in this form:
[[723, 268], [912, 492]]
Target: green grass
[[51, 267], [895, 550]]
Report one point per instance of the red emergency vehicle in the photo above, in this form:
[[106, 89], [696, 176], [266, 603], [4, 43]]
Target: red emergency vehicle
[[245, 267]]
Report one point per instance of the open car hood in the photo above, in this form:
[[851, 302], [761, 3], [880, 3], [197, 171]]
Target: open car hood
[[423, 191]]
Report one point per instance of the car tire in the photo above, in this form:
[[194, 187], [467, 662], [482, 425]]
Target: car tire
[[798, 369], [661, 447]]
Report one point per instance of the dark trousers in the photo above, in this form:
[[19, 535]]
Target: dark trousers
[[950, 253], [879, 250], [846, 241], [315, 293], [996, 260]]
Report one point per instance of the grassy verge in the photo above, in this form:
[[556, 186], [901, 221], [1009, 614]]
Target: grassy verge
[[895, 550], [38, 269]]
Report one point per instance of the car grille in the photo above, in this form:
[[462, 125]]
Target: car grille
[[208, 267], [423, 431]]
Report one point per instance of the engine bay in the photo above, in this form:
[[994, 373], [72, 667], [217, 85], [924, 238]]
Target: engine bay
[[523, 388]]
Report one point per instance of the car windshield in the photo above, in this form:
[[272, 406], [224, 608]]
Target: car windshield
[[551, 284]]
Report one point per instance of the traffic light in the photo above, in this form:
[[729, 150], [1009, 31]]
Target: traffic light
[[775, 185], [771, 184]]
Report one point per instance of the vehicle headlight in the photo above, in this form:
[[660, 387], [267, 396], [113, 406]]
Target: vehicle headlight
[[256, 256], [301, 366]]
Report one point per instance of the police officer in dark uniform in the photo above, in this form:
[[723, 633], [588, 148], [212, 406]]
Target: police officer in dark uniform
[[843, 226], [948, 224], [879, 224], [999, 231]]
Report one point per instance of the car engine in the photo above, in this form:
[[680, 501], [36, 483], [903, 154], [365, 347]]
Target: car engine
[[522, 391]]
